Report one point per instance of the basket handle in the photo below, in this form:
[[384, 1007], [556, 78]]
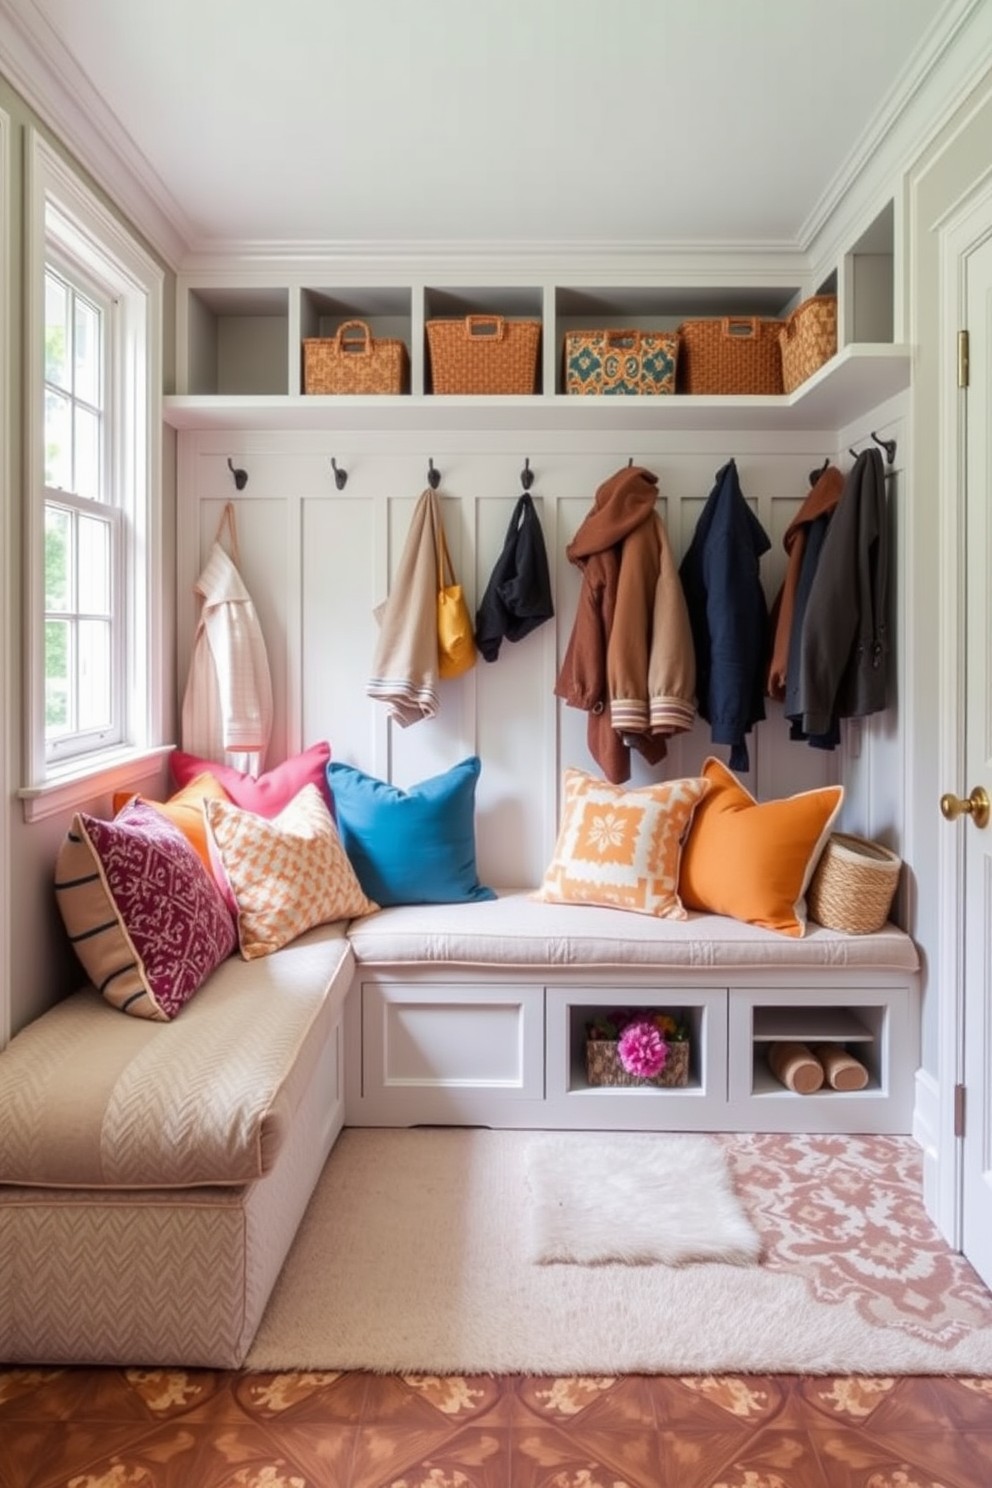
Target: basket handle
[[628, 340], [488, 326], [741, 327], [354, 338]]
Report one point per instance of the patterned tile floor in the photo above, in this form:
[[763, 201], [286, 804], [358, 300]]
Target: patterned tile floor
[[844, 1212], [93, 1428]]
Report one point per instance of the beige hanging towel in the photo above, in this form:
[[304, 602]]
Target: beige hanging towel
[[227, 706], [405, 663]]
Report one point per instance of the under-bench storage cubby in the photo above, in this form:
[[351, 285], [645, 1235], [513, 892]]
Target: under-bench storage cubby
[[476, 1014]]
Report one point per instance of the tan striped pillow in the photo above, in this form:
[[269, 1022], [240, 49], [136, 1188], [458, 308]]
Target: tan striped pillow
[[286, 874]]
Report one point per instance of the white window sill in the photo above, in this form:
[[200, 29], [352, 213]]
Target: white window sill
[[72, 787]]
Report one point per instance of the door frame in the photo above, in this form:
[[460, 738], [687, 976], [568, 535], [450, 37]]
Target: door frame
[[963, 229]]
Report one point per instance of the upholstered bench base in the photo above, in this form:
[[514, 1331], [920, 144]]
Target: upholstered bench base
[[176, 1272]]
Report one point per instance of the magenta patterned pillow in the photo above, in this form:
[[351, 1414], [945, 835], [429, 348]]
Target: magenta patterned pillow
[[144, 916]]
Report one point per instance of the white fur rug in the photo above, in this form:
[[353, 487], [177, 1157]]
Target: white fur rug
[[415, 1257], [660, 1198]]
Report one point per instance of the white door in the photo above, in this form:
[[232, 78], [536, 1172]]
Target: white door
[[977, 845]]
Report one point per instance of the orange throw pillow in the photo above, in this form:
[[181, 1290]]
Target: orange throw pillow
[[753, 860], [185, 810], [620, 848]]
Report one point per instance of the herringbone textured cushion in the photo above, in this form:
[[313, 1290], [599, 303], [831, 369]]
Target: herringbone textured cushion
[[144, 915], [287, 874]]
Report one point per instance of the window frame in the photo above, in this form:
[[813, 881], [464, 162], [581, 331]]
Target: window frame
[[62, 211]]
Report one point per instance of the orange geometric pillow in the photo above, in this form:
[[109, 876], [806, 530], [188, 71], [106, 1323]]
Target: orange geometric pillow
[[754, 860], [620, 847], [287, 873], [185, 810]]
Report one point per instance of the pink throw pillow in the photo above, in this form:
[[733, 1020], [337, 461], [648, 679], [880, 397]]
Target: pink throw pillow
[[270, 792]]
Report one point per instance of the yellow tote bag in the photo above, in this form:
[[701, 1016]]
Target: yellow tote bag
[[456, 651]]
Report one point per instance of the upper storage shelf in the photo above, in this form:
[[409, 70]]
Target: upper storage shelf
[[240, 337]]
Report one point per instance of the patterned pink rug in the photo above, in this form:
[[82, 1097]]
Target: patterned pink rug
[[846, 1214], [414, 1258]]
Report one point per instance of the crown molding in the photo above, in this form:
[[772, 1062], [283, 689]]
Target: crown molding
[[949, 62], [53, 86], [699, 263]]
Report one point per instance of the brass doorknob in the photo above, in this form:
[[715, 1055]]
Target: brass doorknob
[[977, 806]]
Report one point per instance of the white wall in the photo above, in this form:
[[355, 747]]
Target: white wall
[[316, 561]]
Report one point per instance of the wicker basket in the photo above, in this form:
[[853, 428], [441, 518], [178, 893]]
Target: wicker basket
[[854, 884], [483, 354], [353, 361], [808, 339], [620, 362], [603, 1065], [736, 354]]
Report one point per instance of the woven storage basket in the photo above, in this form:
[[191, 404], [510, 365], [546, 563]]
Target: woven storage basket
[[603, 1065], [620, 362], [354, 361], [735, 354], [854, 884], [808, 339], [483, 354]]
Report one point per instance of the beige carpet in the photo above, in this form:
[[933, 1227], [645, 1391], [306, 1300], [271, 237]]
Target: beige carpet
[[413, 1258]]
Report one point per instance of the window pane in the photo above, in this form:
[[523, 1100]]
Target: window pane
[[58, 441], [94, 566], [87, 469], [94, 674], [56, 332], [87, 353], [58, 558], [57, 658]]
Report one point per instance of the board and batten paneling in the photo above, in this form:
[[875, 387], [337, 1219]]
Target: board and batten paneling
[[317, 562]]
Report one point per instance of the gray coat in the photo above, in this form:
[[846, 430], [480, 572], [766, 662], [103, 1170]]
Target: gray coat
[[844, 646]]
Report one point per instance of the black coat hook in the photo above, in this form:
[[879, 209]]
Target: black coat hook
[[814, 475], [240, 476], [340, 476], [527, 475], [433, 476], [889, 446]]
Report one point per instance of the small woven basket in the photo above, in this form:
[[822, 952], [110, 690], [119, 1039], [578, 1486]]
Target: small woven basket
[[808, 339], [853, 885], [735, 354], [603, 1065], [483, 354], [354, 361], [601, 363]]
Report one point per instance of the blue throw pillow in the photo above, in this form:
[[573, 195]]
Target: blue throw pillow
[[413, 846]]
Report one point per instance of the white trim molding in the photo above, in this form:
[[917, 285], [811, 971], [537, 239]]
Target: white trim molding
[[8, 750]]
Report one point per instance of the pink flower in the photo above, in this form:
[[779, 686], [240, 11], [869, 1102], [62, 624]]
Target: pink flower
[[643, 1051]]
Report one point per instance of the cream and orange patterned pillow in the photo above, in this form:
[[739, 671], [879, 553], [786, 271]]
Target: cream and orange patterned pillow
[[286, 874], [622, 847]]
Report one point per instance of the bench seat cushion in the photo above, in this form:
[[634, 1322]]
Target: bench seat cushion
[[90, 1098], [516, 930]]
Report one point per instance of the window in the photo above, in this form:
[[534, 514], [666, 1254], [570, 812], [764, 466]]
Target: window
[[83, 527], [93, 458]]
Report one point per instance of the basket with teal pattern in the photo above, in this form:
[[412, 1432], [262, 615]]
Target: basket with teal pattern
[[599, 363]]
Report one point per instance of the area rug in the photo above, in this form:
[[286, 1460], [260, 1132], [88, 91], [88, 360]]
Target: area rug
[[634, 1199], [412, 1258]]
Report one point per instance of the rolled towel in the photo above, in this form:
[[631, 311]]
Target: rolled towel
[[842, 1070], [796, 1067]]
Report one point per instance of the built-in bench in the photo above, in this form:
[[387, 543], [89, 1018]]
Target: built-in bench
[[476, 1013], [153, 1175]]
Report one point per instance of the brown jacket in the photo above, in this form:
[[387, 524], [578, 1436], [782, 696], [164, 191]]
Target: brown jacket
[[823, 498], [629, 662]]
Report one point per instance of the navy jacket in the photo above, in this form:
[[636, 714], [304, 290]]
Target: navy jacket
[[729, 614], [518, 596]]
